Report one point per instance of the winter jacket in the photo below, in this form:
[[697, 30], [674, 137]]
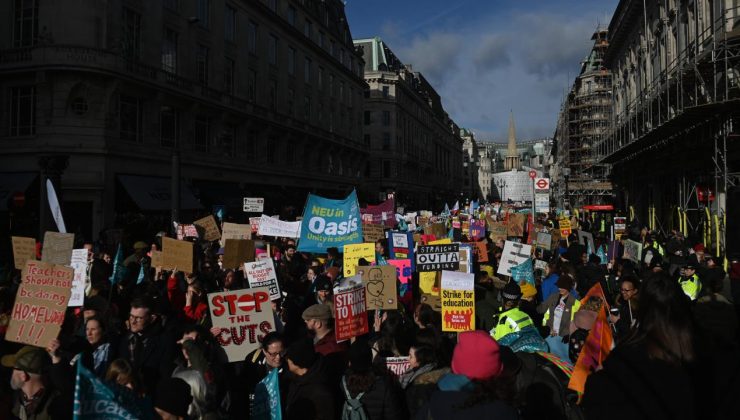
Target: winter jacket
[[548, 285], [486, 308], [154, 360], [548, 308], [384, 400], [310, 396], [57, 399], [422, 388], [451, 401]]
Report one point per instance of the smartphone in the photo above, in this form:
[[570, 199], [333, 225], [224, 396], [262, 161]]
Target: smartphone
[[614, 311]]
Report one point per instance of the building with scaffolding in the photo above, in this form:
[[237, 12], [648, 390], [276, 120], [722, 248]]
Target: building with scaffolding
[[675, 105], [583, 120]]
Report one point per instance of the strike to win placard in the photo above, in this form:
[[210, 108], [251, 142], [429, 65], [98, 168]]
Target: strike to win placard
[[350, 312], [244, 316]]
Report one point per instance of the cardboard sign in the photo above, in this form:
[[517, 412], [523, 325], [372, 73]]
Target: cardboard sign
[[481, 251], [237, 252], [177, 255], [438, 257], [352, 255], [498, 231], [262, 274], [515, 225], [458, 301], [57, 248], [477, 230], [79, 265], [157, 259], [466, 258], [244, 316], [24, 249], [270, 226], [397, 366], [372, 232], [513, 255], [432, 300], [544, 240], [380, 286], [437, 229], [632, 250], [235, 231], [210, 228], [586, 238], [40, 303], [555, 233], [350, 312]]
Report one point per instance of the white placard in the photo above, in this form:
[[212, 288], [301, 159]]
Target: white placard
[[513, 255], [254, 204], [79, 264], [270, 226], [455, 280], [400, 240], [262, 274]]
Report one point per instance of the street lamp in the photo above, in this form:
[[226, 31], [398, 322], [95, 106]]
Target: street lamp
[[501, 184]]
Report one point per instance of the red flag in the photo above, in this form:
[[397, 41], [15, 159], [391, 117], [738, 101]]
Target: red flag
[[597, 291]]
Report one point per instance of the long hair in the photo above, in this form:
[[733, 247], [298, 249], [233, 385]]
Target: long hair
[[665, 323]]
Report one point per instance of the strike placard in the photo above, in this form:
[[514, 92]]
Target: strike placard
[[353, 253], [24, 249], [262, 274], [397, 366], [40, 303], [350, 312], [438, 257], [244, 317], [458, 301]]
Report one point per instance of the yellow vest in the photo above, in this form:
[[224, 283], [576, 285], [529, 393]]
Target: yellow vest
[[509, 322], [691, 286]]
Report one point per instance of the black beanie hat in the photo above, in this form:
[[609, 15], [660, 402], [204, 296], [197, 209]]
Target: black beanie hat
[[360, 356], [173, 396], [301, 353]]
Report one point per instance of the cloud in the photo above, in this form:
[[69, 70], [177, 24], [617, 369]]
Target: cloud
[[492, 53], [436, 55]]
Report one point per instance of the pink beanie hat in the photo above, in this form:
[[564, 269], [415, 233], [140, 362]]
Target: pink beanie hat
[[476, 356]]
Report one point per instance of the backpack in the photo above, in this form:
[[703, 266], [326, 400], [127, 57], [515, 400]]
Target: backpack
[[353, 409]]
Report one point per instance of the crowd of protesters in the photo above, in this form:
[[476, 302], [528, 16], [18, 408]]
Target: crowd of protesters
[[672, 317]]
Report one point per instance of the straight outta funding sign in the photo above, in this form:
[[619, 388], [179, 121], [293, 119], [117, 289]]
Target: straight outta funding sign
[[438, 257]]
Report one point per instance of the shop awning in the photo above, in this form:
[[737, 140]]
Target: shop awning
[[13, 182], [153, 193]]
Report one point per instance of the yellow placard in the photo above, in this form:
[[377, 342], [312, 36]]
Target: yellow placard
[[353, 253]]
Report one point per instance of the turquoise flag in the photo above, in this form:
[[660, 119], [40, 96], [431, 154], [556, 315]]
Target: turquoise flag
[[266, 405], [98, 400], [602, 255], [330, 223], [523, 272], [119, 271]]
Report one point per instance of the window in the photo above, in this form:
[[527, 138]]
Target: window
[[321, 78], [272, 50], [22, 111], [366, 139], [291, 61], [386, 90], [386, 169], [229, 72], [169, 128], [307, 70], [202, 129], [203, 12], [201, 64], [289, 102], [272, 4], [251, 85], [130, 115], [367, 117], [25, 23], [290, 15], [322, 39], [386, 141], [171, 4], [273, 94], [307, 108], [227, 140], [331, 85], [332, 49], [131, 38], [230, 23], [320, 115], [386, 118], [169, 51], [341, 91], [308, 29], [252, 37]]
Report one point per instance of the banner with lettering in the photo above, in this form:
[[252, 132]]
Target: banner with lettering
[[458, 301], [330, 223], [397, 366], [513, 254], [350, 311], [401, 246], [353, 253], [266, 404], [270, 226], [381, 214], [98, 400], [262, 274], [438, 257]]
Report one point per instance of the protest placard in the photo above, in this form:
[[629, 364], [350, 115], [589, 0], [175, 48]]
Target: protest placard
[[481, 251], [383, 213], [401, 246], [523, 272], [262, 274], [237, 252], [254, 222], [40, 303], [24, 249], [57, 248], [565, 227], [372, 232], [437, 229], [544, 240], [79, 265], [210, 228], [269, 226], [632, 250], [466, 258], [458, 301], [353, 253], [235, 231], [157, 259], [397, 366], [498, 231], [380, 286], [244, 316], [187, 231], [403, 269], [330, 223], [512, 255], [515, 224], [350, 312], [555, 233], [587, 238], [177, 254], [438, 257], [477, 230]]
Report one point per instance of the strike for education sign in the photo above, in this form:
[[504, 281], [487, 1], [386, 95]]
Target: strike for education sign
[[330, 223], [262, 274], [438, 257], [244, 316], [350, 312], [458, 301]]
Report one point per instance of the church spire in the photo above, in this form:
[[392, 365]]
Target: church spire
[[512, 155]]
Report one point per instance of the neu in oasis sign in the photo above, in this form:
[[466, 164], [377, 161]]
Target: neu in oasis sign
[[330, 223]]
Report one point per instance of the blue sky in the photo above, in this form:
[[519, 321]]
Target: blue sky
[[486, 57]]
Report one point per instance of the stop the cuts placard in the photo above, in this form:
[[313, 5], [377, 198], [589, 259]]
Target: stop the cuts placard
[[244, 316], [262, 274]]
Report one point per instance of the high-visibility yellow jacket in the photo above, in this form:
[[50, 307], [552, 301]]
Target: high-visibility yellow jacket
[[691, 286], [511, 321]]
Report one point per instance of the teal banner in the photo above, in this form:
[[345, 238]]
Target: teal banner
[[266, 404], [98, 400], [330, 223]]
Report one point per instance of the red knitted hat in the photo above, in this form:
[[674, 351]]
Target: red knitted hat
[[476, 356]]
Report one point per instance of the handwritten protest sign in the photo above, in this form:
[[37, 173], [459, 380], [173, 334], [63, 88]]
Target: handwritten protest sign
[[157, 259], [269, 226], [438, 257], [210, 228], [79, 265], [262, 274], [544, 240], [498, 231], [177, 254], [380, 286], [353, 253], [632, 250], [372, 232], [515, 224], [458, 301], [350, 312], [513, 255], [237, 252], [235, 231], [57, 248], [397, 366], [40, 303], [466, 258], [244, 317], [24, 249]]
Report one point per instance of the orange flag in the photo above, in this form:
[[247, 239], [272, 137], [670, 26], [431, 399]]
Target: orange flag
[[595, 350], [597, 291]]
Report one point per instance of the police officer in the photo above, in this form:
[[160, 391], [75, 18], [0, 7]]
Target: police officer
[[511, 319], [689, 281]]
